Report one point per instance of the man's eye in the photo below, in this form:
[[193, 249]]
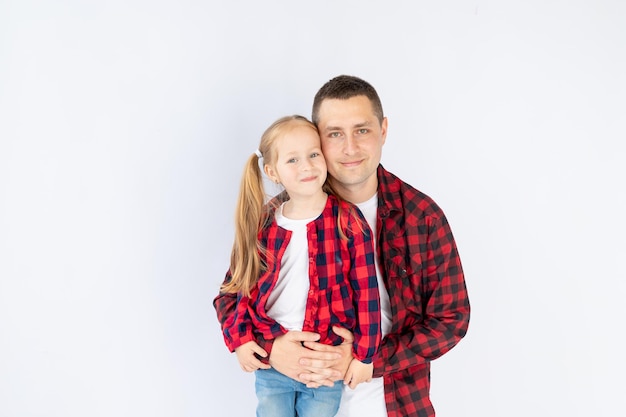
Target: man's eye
[[334, 134], [363, 131]]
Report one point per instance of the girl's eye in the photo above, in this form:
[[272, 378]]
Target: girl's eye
[[291, 161], [315, 154]]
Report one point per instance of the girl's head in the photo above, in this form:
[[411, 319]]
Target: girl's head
[[292, 156]]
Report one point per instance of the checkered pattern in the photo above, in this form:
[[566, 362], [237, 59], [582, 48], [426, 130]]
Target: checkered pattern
[[343, 287], [429, 302], [430, 306]]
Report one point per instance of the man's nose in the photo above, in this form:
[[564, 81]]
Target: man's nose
[[349, 145]]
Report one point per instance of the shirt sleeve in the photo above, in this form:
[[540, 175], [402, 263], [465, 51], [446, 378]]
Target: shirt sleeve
[[428, 294], [236, 326], [225, 303], [366, 299]]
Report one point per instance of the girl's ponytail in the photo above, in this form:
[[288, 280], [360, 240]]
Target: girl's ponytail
[[245, 260]]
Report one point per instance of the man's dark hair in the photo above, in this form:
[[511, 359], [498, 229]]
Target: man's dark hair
[[344, 87]]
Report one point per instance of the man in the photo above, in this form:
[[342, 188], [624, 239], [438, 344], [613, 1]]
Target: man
[[424, 302]]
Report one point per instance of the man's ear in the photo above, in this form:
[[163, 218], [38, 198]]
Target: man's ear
[[383, 129]]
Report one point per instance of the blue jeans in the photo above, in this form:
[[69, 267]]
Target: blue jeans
[[280, 396]]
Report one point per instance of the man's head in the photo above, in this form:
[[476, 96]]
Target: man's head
[[344, 87], [353, 129]]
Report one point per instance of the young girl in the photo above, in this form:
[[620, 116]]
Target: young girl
[[304, 264]]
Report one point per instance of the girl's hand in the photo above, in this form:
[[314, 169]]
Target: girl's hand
[[247, 360], [358, 372]]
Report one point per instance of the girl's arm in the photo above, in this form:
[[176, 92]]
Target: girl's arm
[[366, 299]]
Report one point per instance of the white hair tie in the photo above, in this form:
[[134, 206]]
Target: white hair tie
[[258, 153]]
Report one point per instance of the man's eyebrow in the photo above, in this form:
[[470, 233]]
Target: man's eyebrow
[[329, 128], [364, 124], [356, 126]]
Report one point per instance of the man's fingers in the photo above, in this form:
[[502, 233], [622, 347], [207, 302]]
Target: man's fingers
[[296, 336], [322, 351], [319, 365], [321, 373], [322, 356], [327, 383], [345, 333], [316, 380]]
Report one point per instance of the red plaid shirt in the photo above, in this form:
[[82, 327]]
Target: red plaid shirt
[[430, 308], [429, 304], [343, 286]]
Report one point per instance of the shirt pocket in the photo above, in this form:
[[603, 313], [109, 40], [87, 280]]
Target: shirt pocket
[[404, 288]]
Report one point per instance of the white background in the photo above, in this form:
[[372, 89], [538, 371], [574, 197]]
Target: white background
[[124, 126]]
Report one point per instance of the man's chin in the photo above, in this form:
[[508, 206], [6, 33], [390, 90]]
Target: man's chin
[[346, 175]]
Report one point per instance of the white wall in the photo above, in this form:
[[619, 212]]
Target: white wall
[[124, 126]]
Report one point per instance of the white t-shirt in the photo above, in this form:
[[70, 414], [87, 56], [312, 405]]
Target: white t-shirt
[[287, 302], [368, 398]]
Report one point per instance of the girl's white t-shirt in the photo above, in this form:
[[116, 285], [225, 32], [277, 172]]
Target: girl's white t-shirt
[[287, 302]]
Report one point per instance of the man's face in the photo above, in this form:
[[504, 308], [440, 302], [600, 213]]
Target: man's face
[[352, 142]]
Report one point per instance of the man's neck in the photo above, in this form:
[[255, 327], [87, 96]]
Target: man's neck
[[357, 193]]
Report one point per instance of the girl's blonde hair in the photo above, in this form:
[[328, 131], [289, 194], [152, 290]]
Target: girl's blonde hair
[[251, 212]]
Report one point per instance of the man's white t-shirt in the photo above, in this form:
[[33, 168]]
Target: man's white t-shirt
[[368, 398]]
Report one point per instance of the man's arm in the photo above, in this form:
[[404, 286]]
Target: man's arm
[[442, 302], [445, 319], [440, 299]]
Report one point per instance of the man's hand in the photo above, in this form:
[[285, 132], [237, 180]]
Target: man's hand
[[247, 360], [322, 370], [290, 358]]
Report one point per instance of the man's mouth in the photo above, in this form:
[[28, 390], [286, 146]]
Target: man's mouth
[[350, 164]]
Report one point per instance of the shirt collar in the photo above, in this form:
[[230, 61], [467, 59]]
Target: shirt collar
[[388, 192]]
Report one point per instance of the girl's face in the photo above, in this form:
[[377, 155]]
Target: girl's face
[[300, 166]]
